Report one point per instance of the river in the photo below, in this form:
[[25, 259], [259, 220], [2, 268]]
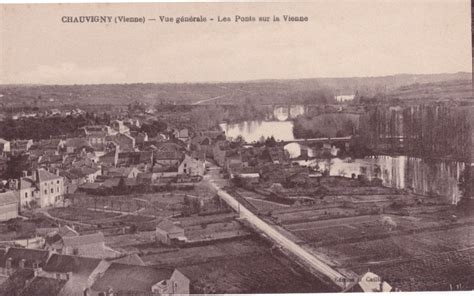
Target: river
[[422, 176]]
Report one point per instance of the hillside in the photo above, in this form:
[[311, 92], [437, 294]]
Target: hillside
[[444, 90], [312, 91]]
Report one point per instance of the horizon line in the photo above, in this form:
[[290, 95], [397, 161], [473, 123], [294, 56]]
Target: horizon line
[[237, 81]]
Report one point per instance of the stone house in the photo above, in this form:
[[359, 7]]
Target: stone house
[[41, 187], [192, 166]]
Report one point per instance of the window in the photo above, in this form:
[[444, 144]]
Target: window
[[57, 182], [45, 191], [52, 190], [26, 194], [58, 189]]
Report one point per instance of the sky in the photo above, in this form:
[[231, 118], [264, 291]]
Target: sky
[[340, 39]]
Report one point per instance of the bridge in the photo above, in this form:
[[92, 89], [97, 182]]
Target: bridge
[[310, 141]]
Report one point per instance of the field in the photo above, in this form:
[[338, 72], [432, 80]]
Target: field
[[423, 252], [154, 204], [80, 214], [438, 272], [240, 266]]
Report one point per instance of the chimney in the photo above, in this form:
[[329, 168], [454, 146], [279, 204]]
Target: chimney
[[37, 271], [36, 175], [116, 156], [25, 173]]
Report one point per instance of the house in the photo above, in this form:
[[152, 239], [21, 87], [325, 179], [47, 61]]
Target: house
[[96, 135], [74, 145], [79, 271], [81, 175], [181, 134], [140, 138], [41, 188], [144, 158], [168, 158], [177, 284], [249, 178], [20, 146], [202, 144], [370, 282], [124, 141], [120, 127], [19, 258], [4, 146], [140, 280], [9, 203], [192, 166], [51, 145], [167, 232], [89, 245], [53, 239], [122, 172]]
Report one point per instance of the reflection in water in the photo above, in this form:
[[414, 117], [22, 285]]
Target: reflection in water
[[252, 131], [423, 176], [420, 175]]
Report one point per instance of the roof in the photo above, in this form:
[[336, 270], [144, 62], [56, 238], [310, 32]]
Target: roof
[[8, 197], [168, 226], [30, 255], [3, 141], [68, 263], [87, 239], [77, 142], [131, 259], [120, 172], [44, 175], [138, 278], [67, 231], [168, 155], [26, 183]]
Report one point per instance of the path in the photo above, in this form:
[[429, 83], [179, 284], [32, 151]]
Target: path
[[216, 182]]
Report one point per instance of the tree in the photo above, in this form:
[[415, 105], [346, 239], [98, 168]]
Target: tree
[[270, 142]]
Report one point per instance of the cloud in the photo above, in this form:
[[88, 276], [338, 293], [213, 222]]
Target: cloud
[[70, 73]]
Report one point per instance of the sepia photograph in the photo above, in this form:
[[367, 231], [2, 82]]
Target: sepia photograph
[[304, 147]]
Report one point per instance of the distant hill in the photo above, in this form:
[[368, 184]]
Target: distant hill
[[443, 90], [313, 91]]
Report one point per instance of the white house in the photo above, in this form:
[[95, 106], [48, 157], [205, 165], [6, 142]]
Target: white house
[[40, 187], [192, 166], [4, 146]]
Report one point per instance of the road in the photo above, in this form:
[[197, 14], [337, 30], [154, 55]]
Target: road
[[216, 182], [208, 100]]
